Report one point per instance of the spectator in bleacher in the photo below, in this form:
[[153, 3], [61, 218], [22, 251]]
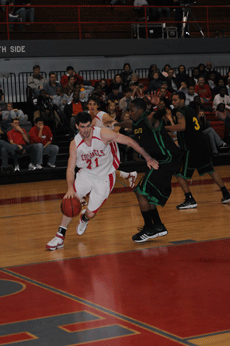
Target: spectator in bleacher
[[126, 151], [134, 78], [172, 81], [10, 113], [104, 85], [126, 74], [163, 92], [51, 86], [134, 87], [125, 101], [36, 81], [86, 91], [183, 87], [208, 70], [152, 69], [112, 110], [115, 95], [190, 95], [19, 137], [26, 13], [47, 111], [70, 72], [214, 140], [195, 75], [59, 101], [165, 70], [197, 104], [71, 110], [203, 90], [201, 68], [14, 18], [6, 148], [117, 81], [156, 82], [223, 115], [69, 87], [221, 98], [220, 84], [42, 135], [182, 76], [212, 81]]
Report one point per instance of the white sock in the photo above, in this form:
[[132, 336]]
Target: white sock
[[124, 174]]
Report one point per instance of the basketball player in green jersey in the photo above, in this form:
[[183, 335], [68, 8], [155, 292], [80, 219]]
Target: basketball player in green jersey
[[195, 150]]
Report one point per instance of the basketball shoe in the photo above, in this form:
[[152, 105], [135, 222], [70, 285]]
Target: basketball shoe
[[132, 178], [189, 203], [147, 233], [226, 199], [56, 243], [81, 227]]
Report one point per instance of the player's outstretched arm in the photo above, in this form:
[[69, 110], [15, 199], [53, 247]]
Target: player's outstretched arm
[[108, 136], [70, 173], [177, 127], [124, 124]]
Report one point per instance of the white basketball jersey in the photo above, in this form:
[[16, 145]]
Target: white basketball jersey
[[97, 121], [98, 159]]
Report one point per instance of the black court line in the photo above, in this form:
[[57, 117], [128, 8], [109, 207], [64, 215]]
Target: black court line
[[100, 308]]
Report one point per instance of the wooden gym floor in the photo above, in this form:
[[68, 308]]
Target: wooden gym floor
[[104, 289]]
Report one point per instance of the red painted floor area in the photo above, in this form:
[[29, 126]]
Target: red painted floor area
[[164, 295]]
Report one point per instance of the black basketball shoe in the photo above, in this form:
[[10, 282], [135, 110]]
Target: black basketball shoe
[[226, 199], [147, 233], [187, 204]]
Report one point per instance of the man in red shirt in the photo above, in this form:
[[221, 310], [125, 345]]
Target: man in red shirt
[[203, 90], [70, 72], [42, 135], [18, 136]]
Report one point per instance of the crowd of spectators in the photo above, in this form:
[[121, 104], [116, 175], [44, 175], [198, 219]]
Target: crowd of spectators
[[55, 104]]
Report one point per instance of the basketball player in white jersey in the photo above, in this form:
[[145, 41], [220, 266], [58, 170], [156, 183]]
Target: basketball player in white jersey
[[102, 119], [94, 151]]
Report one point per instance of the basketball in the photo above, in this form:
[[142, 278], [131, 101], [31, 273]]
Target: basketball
[[70, 207]]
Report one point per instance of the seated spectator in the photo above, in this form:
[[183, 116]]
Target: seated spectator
[[115, 95], [212, 81], [139, 91], [172, 81], [170, 120], [14, 18], [223, 115], [18, 136], [69, 87], [42, 135], [112, 110], [36, 81], [197, 104], [117, 81], [59, 101], [190, 95], [152, 69], [195, 75], [70, 72], [71, 110], [11, 113], [182, 76], [104, 85], [156, 82], [208, 70], [203, 90], [214, 140], [5, 149], [126, 74], [51, 86], [46, 110], [220, 84], [221, 98], [134, 87], [25, 13], [125, 101], [163, 92], [86, 91], [183, 87], [165, 70], [201, 68], [134, 78]]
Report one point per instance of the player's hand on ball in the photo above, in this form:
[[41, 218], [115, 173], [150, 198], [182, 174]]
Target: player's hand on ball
[[70, 193]]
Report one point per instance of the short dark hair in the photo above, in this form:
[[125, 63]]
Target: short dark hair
[[139, 104], [70, 77], [115, 87], [181, 95], [128, 90], [35, 66], [36, 120], [95, 99], [83, 117], [52, 73], [69, 68]]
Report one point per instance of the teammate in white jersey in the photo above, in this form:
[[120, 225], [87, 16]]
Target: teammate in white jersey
[[94, 151], [102, 119]]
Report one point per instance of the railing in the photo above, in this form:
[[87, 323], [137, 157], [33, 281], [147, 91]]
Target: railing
[[82, 20], [15, 86]]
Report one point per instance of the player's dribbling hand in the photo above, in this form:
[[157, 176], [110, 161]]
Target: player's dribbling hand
[[151, 163], [70, 193]]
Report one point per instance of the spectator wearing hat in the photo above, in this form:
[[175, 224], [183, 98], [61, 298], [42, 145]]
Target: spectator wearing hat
[[70, 72]]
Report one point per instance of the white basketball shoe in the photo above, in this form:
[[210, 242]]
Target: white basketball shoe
[[56, 243], [81, 227]]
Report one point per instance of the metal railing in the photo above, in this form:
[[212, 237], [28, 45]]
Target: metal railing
[[75, 18]]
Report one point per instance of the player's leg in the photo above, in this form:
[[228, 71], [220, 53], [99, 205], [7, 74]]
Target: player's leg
[[130, 176], [189, 201], [100, 190], [226, 195]]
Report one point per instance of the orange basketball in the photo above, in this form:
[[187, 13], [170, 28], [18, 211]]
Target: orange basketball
[[70, 207]]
